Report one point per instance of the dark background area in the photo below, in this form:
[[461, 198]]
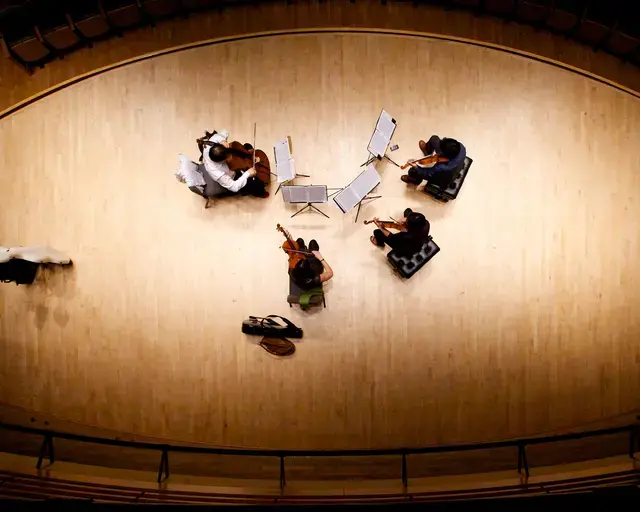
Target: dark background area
[[34, 32]]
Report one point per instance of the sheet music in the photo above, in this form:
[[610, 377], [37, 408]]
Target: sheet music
[[385, 125], [281, 149], [305, 194], [285, 168], [378, 144], [353, 193]]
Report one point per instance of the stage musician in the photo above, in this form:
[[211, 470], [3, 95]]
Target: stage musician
[[310, 271], [413, 230], [215, 154], [446, 155]]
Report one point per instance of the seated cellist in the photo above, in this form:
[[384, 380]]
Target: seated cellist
[[312, 269], [215, 155]]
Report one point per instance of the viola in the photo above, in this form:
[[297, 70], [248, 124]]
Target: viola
[[427, 160], [292, 248]]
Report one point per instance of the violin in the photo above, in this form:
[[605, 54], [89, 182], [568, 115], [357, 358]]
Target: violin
[[292, 248], [389, 224], [427, 160]]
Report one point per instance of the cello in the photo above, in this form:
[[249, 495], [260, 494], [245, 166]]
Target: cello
[[292, 248], [240, 158]]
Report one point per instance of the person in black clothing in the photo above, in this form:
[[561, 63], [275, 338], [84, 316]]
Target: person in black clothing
[[408, 241], [313, 270]]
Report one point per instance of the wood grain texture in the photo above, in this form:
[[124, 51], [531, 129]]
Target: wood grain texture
[[523, 323], [17, 86]]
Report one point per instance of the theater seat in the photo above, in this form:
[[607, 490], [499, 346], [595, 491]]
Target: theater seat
[[406, 266]]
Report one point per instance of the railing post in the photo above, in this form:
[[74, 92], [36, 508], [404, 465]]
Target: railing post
[[522, 461], [46, 448], [404, 471], [164, 465], [283, 480]]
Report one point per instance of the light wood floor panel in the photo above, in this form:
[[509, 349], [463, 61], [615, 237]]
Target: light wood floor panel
[[525, 322]]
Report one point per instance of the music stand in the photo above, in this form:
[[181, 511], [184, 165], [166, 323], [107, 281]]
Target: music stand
[[284, 163], [358, 190], [365, 198], [380, 139], [305, 194]]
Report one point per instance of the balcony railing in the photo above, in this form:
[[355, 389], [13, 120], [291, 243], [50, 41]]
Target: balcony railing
[[163, 452]]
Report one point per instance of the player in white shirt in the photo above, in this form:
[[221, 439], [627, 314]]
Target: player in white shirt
[[215, 152]]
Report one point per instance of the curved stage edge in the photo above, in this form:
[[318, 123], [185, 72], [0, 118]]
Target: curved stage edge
[[328, 30], [365, 14]]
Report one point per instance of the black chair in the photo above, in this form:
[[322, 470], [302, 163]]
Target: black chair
[[123, 14], [19, 40], [446, 186], [160, 9], [305, 298], [54, 28], [407, 266], [199, 5], [89, 19]]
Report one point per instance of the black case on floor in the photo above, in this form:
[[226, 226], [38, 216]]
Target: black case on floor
[[266, 326]]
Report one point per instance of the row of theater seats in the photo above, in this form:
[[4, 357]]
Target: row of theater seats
[[35, 32], [610, 25]]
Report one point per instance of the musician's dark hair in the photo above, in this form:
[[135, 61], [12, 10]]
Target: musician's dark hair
[[218, 153], [416, 222], [450, 148], [302, 271]]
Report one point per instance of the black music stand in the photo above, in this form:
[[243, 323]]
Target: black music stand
[[379, 157], [309, 205], [309, 199], [365, 198]]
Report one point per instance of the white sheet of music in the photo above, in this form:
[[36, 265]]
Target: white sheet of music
[[382, 134], [305, 194], [285, 168], [353, 193], [385, 125], [378, 144]]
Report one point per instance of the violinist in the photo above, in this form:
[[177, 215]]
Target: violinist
[[443, 157], [307, 267], [413, 231], [216, 154]]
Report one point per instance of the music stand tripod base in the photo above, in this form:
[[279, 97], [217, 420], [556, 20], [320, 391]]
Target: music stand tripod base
[[375, 157], [370, 198], [309, 205]]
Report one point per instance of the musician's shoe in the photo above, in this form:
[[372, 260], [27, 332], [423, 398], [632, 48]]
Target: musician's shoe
[[423, 147], [264, 195], [313, 246], [409, 180]]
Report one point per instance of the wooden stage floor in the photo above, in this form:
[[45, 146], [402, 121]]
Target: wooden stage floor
[[525, 322]]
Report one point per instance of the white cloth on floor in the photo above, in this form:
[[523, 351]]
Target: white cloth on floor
[[35, 254]]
